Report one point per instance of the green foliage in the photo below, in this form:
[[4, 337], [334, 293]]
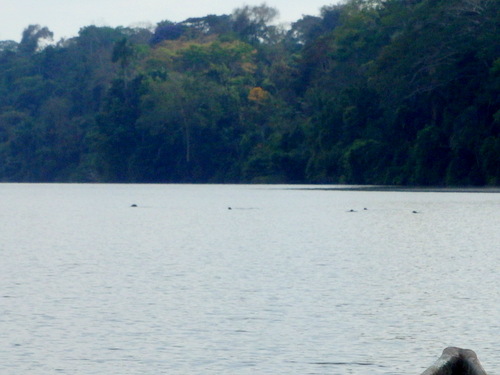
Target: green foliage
[[369, 92], [33, 37], [252, 24], [364, 161]]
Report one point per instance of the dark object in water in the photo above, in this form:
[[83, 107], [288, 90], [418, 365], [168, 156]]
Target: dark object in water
[[456, 361], [133, 205]]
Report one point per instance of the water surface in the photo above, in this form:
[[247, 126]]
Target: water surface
[[287, 281]]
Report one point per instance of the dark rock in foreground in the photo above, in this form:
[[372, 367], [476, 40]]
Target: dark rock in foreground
[[456, 361]]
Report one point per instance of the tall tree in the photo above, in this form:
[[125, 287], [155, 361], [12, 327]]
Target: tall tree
[[33, 38]]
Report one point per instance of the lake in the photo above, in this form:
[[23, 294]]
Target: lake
[[244, 279]]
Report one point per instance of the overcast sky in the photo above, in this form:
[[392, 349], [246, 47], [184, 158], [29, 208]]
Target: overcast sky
[[66, 17]]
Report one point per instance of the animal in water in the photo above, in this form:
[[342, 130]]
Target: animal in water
[[133, 205], [414, 212]]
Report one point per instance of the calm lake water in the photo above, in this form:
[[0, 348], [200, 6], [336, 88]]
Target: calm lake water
[[287, 281]]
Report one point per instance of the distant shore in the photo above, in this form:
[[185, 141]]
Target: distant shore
[[420, 189]]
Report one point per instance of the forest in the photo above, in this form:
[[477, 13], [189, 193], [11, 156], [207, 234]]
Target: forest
[[389, 92]]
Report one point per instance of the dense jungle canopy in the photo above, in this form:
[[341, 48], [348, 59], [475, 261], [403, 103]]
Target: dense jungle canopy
[[403, 92]]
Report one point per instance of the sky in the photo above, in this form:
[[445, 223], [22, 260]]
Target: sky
[[65, 17]]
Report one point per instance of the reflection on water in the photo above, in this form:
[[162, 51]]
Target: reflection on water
[[286, 281]]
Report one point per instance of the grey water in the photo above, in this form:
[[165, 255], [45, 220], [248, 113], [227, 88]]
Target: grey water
[[244, 279]]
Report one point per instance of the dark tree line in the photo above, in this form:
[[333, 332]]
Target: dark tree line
[[369, 92]]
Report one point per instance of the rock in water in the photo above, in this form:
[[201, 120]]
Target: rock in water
[[456, 361]]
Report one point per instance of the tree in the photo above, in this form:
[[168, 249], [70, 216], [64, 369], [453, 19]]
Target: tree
[[167, 30], [116, 137], [252, 24], [123, 53], [371, 91], [33, 38]]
